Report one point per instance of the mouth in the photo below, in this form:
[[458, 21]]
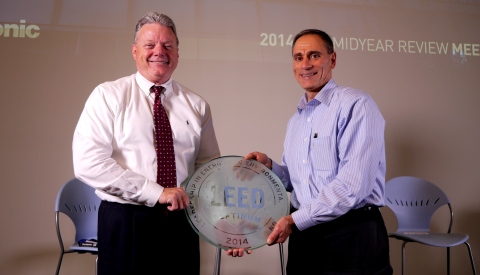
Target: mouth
[[159, 62], [308, 75]]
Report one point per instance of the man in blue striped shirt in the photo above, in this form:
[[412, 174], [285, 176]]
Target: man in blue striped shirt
[[334, 166]]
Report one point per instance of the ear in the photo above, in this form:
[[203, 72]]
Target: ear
[[134, 51], [333, 60]]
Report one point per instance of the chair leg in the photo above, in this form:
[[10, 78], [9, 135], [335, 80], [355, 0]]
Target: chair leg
[[59, 263], [403, 257], [96, 265], [62, 248], [471, 258], [218, 258], [448, 260], [282, 261]]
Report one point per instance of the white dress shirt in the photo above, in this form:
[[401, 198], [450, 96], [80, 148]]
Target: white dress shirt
[[113, 143]]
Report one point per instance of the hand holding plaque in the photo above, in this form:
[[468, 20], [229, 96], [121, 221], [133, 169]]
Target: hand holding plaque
[[234, 202]]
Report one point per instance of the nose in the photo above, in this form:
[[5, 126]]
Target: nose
[[159, 50], [305, 64]]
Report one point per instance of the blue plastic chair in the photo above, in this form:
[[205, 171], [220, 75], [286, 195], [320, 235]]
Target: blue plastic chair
[[414, 201], [78, 201]]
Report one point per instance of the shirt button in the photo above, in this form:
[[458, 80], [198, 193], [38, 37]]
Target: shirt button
[[304, 161], [308, 119]]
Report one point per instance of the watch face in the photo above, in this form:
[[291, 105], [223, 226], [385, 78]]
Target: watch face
[[234, 202]]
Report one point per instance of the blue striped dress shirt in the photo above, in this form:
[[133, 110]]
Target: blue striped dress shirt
[[334, 155]]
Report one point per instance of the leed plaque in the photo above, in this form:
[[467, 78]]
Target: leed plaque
[[234, 202]]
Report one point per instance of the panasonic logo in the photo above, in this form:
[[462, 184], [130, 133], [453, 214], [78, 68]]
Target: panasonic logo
[[19, 30]]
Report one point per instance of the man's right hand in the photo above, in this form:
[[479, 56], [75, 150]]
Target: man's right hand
[[237, 252], [260, 157], [176, 198]]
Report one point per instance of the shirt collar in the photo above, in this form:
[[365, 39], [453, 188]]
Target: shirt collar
[[145, 85], [324, 96]]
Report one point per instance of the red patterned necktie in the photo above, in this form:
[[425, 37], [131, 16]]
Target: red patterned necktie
[[166, 172]]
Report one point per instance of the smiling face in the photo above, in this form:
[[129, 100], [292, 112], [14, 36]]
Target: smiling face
[[312, 64], [155, 52]]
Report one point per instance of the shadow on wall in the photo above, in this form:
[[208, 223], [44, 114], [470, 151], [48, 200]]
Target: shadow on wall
[[44, 261]]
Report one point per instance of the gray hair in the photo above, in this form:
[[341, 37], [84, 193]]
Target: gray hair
[[155, 17]]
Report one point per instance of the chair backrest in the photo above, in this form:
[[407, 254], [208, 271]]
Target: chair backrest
[[79, 202], [414, 201]]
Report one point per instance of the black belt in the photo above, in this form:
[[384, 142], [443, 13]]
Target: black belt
[[160, 209], [369, 212], [365, 208]]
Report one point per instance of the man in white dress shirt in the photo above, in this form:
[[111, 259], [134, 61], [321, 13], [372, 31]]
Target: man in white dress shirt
[[140, 229]]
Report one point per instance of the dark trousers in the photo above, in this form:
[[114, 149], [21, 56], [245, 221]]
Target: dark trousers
[[136, 239], [355, 243]]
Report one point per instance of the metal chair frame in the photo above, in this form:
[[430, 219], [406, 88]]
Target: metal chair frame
[[79, 202], [414, 201]]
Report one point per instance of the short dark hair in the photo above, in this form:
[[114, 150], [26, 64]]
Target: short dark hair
[[323, 35], [155, 17]]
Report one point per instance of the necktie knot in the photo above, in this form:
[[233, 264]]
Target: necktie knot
[[158, 90]]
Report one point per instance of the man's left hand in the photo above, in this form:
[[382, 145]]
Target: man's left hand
[[281, 231]]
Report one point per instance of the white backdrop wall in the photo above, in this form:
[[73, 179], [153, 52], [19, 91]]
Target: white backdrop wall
[[419, 59]]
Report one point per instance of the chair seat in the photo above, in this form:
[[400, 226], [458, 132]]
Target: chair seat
[[430, 238], [77, 248]]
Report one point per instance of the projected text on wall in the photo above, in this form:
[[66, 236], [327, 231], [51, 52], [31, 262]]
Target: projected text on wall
[[19, 30], [382, 45]]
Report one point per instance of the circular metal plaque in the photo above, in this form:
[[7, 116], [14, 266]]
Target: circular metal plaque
[[234, 202]]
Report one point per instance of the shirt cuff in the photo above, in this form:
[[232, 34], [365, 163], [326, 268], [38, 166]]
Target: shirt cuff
[[276, 168], [151, 194], [302, 219]]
